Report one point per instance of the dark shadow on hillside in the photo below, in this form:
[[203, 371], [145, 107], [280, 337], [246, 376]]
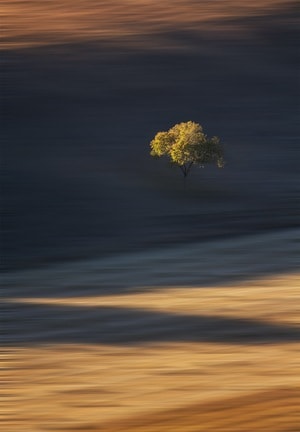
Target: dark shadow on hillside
[[208, 264], [79, 118], [26, 324]]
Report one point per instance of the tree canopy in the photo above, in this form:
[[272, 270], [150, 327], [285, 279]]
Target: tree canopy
[[186, 144]]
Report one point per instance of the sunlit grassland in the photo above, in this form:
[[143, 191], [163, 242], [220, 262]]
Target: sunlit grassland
[[36, 23], [158, 376]]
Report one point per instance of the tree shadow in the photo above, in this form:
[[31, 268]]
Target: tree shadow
[[28, 324]]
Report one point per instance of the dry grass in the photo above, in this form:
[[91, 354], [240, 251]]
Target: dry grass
[[274, 410], [167, 383], [260, 299], [35, 23]]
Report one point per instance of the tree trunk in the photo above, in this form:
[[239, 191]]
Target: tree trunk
[[185, 170], [184, 182]]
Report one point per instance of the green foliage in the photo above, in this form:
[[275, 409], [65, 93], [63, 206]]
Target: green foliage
[[186, 144]]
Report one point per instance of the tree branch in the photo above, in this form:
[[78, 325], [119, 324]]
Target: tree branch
[[183, 169]]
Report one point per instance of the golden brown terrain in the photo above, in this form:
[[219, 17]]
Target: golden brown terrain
[[156, 342], [129, 304], [35, 23]]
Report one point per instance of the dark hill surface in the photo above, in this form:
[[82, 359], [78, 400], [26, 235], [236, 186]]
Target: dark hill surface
[[79, 117]]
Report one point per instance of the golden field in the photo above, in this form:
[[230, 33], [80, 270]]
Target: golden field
[[158, 356], [36, 23], [130, 304]]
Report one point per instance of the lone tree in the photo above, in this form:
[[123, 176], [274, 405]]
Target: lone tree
[[186, 144]]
